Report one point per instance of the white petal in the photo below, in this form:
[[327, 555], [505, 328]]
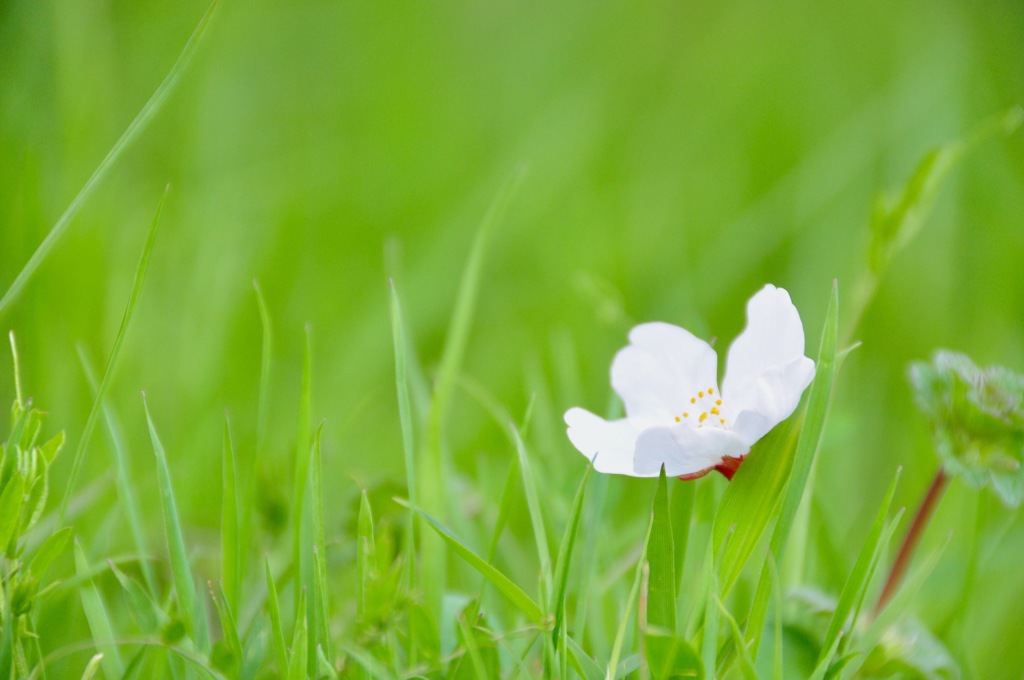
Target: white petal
[[684, 450], [773, 339], [608, 443], [771, 399], [658, 373]]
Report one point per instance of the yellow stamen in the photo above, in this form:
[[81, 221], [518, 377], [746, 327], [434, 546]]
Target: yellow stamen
[[700, 394], [718, 402], [693, 400], [685, 414], [722, 421], [703, 417], [677, 419], [711, 390], [714, 410]]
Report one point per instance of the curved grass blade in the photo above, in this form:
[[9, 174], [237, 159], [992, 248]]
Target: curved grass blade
[[302, 461], [565, 553], [405, 417], [140, 120], [505, 586], [101, 391], [276, 631], [321, 626], [366, 552], [227, 624], [746, 663], [92, 667], [612, 671], [536, 518], [96, 615], [125, 486], [229, 531], [184, 587], [299, 663], [852, 595]]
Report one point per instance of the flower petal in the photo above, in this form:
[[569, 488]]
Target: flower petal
[[608, 443], [772, 399], [773, 339], [684, 450], [658, 373]]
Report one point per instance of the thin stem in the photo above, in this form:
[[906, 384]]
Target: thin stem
[[921, 519]]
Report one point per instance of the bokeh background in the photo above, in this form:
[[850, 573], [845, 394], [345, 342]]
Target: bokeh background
[[678, 156]]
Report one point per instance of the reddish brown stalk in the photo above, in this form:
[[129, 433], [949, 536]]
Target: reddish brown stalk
[[924, 514]]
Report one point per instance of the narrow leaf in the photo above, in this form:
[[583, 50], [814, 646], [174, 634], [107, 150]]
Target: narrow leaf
[[565, 553], [48, 551], [299, 662], [612, 671], [661, 595], [320, 550], [92, 667], [533, 505], [229, 544], [10, 509], [180, 568], [506, 587], [366, 553], [227, 623], [96, 615], [276, 631], [405, 417]]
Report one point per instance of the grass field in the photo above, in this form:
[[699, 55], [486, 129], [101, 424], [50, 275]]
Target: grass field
[[534, 180]]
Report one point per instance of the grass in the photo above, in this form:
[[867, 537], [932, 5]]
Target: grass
[[394, 495]]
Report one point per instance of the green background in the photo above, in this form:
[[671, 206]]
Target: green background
[[678, 156]]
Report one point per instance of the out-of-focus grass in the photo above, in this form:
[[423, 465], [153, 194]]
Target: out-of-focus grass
[[678, 157]]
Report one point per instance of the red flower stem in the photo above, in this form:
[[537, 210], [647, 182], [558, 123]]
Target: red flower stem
[[921, 519]]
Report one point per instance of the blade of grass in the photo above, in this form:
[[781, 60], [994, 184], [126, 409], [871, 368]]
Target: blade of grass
[[811, 434], [265, 353], [505, 508], [369, 663], [10, 508], [565, 554], [140, 120], [405, 417], [184, 587], [746, 663], [96, 615], [681, 510], [661, 597], [227, 623], [125, 485], [92, 667], [709, 639], [229, 543], [302, 461], [620, 636], [298, 665], [101, 391], [505, 586], [366, 549], [276, 631], [433, 483], [536, 518], [853, 591], [17, 371], [320, 552]]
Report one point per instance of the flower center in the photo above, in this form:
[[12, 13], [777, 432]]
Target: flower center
[[704, 410]]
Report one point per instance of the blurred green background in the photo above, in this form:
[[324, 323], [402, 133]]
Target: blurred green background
[[678, 157]]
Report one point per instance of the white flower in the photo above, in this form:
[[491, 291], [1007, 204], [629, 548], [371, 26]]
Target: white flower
[[675, 414]]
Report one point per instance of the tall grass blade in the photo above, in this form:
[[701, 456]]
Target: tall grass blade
[[18, 394], [96, 615], [302, 460], [276, 630], [807, 447], [229, 533], [184, 587], [681, 511], [366, 553], [536, 518], [859, 579], [505, 586], [227, 624], [140, 120], [433, 483], [266, 348], [108, 372], [321, 625], [405, 416], [125, 485], [93, 667], [709, 641], [298, 665], [661, 594], [746, 663], [565, 554]]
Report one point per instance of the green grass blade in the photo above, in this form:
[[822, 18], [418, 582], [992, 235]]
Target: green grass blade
[[184, 587], [125, 485], [860, 577], [48, 551], [266, 348], [807, 448], [18, 394], [369, 663], [366, 552], [612, 671], [300, 562], [101, 391], [709, 641], [405, 417], [746, 663], [96, 615], [505, 507], [227, 623], [536, 518], [505, 586], [661, 593], [229, 532], [321, 625], [276, 631], [93, 667], [433, 483], [565, 553], [299, 663], [681, 510], [140, 120], [582, 663]]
